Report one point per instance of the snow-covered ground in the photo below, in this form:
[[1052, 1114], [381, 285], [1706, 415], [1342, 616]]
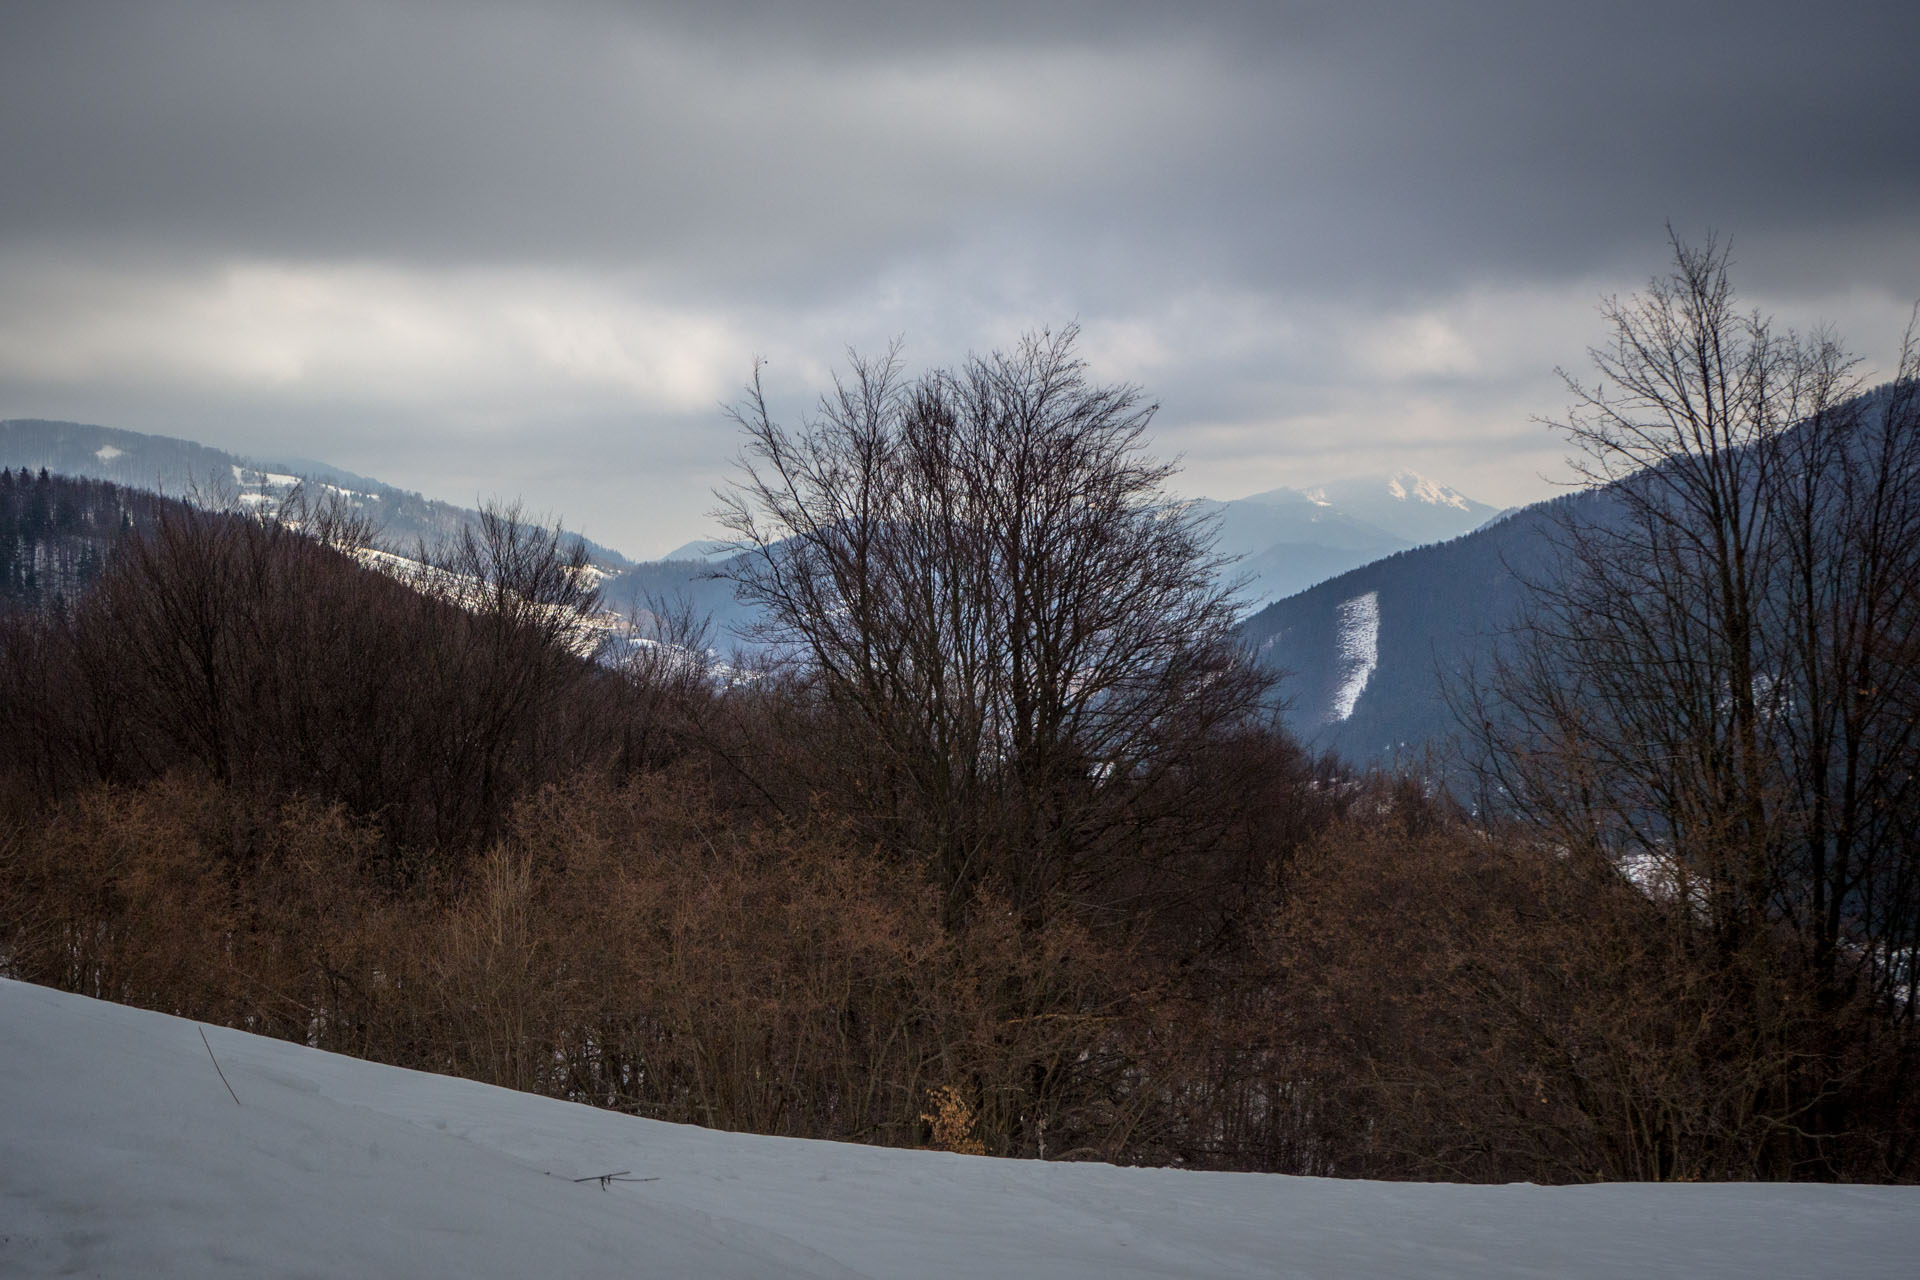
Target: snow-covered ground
[[122, 1154]]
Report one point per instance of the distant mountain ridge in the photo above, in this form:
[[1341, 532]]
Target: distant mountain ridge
[[1286, 540], [1408, 505], [1367, 655], [1281, 542], [1360, 589], [180, 467]]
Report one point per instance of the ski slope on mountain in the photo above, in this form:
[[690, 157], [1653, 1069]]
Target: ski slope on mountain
[[122, 1153]]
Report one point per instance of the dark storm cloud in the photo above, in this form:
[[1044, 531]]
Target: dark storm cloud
[[1294, 146]]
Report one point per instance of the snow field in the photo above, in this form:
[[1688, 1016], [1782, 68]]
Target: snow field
[[122, 1154]]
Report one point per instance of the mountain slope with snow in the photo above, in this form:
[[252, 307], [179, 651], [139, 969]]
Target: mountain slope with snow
[[1406, 504], [1415, 621], [1439, 616], [1286, 540], [122, 1153], [163, 464]]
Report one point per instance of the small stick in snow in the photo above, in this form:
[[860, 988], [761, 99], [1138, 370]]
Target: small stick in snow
[[608, 1179], [216, 1066]]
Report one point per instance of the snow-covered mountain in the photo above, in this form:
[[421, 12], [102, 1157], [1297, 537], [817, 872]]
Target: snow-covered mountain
[[130, 1146], [1286, 540], [1406, 504], [182, 467]]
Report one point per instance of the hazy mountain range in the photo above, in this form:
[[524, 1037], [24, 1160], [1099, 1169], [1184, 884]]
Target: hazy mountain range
[[1366, 588], [1281, 541], [1285, 540], [181, 468]]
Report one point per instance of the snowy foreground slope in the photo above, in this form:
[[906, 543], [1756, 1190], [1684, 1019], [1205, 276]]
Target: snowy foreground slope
[[121, 1154]]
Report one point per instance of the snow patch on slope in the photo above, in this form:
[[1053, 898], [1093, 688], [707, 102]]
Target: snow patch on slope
[[1359, 652]]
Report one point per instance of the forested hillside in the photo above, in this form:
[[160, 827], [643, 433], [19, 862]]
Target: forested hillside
[[400, 520], [57, 532]]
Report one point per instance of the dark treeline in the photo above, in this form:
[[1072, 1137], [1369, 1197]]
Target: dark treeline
[[884, 892], [263, 656], [56, 532]]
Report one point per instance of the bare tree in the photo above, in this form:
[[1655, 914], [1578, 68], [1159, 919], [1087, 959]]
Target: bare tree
[[1714, 691], [1845, 642], [984, 583]]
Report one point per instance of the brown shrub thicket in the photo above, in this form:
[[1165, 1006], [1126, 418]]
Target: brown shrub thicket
[[627, 946], [1430, 1000], [1467, 1004]]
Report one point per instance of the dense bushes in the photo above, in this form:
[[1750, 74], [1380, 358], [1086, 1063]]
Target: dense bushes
[[1428, 1001], [630, 947], [1469, 1005]]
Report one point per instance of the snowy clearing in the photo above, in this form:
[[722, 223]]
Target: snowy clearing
[[122, 1154], [1359, 650]]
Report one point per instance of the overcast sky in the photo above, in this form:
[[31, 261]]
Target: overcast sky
[[488, 250]]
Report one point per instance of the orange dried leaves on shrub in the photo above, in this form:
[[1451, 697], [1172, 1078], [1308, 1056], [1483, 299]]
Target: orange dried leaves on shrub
[[952, 1122]]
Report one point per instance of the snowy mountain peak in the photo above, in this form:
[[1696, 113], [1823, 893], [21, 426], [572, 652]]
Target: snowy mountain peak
[[1285, 540], [1411, 486], [704, 550], [1402, 486], [1404, 503]]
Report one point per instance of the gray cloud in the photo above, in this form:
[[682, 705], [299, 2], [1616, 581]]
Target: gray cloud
[[481, 221], [1302, 144]]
